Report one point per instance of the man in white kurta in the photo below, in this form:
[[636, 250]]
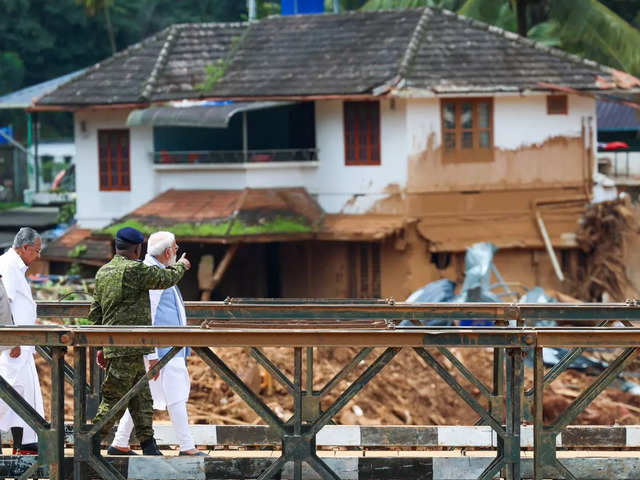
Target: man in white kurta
[[170, 390], [17, 365]]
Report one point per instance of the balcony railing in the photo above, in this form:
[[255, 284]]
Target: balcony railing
[[234, 156]]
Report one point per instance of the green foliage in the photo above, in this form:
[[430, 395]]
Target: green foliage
[[12, 69], [67, 212], [9, 205], [78, 251], [213, 74], [277, 225], [75, 269]]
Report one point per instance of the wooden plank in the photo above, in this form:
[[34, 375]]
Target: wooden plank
[[386, 436], [399, 435], [594, 437], [347, 468]]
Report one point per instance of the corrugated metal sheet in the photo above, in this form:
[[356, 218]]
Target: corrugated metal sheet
[[615, 116], [22, 99], [208, 114]]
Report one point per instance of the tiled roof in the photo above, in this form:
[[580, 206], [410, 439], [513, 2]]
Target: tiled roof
[[220, 215], [77, 245], [333, 54], [614, 116]]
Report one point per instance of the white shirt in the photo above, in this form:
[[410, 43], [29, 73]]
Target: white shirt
[[13, 271], [154, 300]]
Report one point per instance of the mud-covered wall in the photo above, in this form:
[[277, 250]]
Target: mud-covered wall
[[321, 269], [314, 270], [531, 148], [404, 271]]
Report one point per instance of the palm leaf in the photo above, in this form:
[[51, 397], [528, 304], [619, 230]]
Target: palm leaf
[[591, 29]]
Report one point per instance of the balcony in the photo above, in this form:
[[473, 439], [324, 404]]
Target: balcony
[[234, 157]]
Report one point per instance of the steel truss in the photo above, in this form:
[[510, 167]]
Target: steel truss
[[307, 324]]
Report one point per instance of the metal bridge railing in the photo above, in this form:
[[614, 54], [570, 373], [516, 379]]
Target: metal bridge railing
[[303, 325]]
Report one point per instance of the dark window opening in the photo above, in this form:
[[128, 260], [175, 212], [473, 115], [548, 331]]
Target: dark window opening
[[557, 105]]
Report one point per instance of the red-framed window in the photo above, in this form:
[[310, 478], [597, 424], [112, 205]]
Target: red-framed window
[[362, 133], [114, 160], [467, 129]]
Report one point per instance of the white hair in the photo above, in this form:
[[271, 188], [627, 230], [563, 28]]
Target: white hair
[[158, 242], [25, 236]]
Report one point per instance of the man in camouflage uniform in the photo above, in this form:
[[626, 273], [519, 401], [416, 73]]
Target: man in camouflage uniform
[[122, 298]]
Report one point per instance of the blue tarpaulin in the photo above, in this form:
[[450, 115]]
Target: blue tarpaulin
[[7, 131]]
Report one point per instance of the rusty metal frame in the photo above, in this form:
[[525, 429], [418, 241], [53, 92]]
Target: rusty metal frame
[[298, 433]]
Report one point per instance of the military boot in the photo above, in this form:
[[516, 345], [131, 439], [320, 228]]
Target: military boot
[[149, 447]]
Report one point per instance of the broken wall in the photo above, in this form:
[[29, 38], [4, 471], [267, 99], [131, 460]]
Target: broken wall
[[531, 148], [344, 188]]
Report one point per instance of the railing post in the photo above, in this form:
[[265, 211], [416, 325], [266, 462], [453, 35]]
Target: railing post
[[515, 390], [538, 425], [80, 442], [56, 467], [96, 375]]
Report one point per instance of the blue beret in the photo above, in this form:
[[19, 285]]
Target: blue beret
[[131, 235]]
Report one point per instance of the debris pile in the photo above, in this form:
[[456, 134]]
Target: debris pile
[[601, 236]]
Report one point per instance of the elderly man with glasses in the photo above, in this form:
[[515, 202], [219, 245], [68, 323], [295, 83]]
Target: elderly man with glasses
[[17, 365]]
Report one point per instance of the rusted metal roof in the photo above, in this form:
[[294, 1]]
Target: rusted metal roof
[[454, 233], [223, 216], [78, 246]]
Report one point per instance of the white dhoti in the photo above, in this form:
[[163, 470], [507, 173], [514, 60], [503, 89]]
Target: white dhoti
[[169, 392], [22, 375]]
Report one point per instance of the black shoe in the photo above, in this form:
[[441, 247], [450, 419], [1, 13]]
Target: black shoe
[[28, 449], [149, 447], [116, 451], [95, 445], [16, 435]]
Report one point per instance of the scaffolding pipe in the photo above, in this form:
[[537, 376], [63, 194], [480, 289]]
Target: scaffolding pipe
[[252, 9]]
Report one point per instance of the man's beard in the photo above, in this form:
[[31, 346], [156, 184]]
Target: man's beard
[[173, 259]]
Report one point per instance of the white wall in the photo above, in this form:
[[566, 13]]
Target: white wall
[[56, 149], [95, 208], [233, 176], [356, 188], [407, 128], [624, 165]]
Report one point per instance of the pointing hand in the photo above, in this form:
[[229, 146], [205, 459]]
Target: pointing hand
[[184, 261]]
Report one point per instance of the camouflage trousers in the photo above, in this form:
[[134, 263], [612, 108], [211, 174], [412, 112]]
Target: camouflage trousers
[[122, 374]]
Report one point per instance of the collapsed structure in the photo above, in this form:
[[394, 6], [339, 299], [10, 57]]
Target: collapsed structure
[[351, 155]]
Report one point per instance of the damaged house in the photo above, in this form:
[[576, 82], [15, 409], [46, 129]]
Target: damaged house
[[337, 155]]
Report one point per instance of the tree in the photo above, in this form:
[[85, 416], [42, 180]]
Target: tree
[[92, 7]]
